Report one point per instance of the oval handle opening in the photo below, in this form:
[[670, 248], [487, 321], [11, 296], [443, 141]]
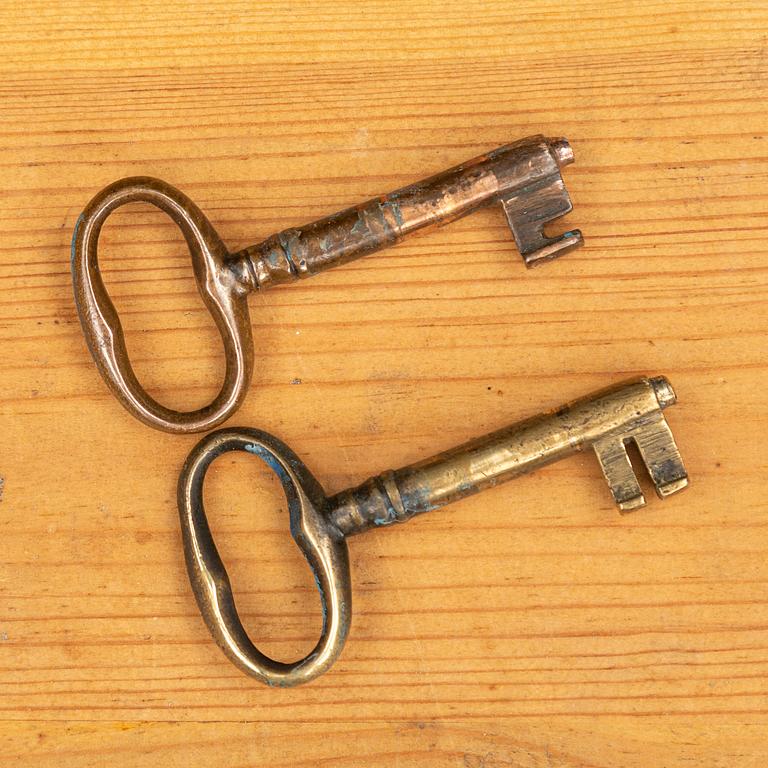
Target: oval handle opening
[[223, 297], [320, 542]]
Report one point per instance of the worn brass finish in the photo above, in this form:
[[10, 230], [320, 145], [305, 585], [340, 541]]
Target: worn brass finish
[[605, 421], [524, 177]]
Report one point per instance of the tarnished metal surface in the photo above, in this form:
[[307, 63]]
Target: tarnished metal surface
[[604, 421], [524, 177]]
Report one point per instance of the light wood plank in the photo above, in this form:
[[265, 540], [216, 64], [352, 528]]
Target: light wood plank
[[529, 626]]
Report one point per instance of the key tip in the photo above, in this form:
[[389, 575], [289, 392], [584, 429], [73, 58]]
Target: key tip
[[663, 391], [562, 151]]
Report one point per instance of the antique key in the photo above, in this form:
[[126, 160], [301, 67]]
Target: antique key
[[524, 177], [605, 421]]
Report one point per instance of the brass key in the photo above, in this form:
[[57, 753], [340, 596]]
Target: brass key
[[523, 177], [605, 421]]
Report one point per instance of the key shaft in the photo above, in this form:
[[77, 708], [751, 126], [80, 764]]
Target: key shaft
[[523, 176], [605, 421]]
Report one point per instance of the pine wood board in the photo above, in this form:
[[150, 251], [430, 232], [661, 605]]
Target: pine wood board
[[529, 626]]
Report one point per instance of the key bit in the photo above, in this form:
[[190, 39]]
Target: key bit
[[532, 206], [604, 421], [651, 434]]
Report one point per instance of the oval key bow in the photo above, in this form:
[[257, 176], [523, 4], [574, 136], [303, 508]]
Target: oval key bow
[[317, 537], [222, 294]]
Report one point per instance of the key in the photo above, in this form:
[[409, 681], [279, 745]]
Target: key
[[604, 422], [523, 177]]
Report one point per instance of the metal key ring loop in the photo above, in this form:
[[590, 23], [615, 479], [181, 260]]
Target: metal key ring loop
[[223, 297], [321, 543]]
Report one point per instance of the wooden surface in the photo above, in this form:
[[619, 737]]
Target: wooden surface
[[531, 626]]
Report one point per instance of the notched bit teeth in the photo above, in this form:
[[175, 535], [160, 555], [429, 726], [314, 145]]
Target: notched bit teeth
[[672, 487], [630, 505], [612, 455], [647, 428], [555, 248], [530, 209], [661, 456]]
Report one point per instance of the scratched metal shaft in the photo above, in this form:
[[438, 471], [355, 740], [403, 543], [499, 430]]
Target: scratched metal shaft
[[360, 230], [500, 456]]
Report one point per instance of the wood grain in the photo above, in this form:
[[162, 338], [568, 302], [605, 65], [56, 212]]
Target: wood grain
[[530, 626]]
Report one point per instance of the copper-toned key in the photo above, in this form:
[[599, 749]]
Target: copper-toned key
[[524, 178]]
